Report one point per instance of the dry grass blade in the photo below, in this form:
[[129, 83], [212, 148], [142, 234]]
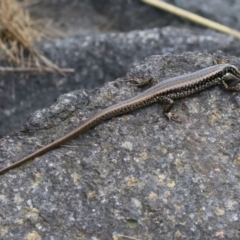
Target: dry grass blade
[[192, 17], [19, 35]]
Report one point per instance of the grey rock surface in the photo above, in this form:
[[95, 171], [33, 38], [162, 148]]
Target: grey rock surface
[[129, 175]]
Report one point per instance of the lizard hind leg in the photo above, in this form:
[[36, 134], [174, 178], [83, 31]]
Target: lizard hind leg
[[168, 104], [172, 117]]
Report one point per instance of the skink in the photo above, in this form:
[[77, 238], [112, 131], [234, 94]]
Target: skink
[[164, 92]]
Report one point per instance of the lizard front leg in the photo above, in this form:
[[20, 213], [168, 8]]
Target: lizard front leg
[[235, 88], [230, 77]]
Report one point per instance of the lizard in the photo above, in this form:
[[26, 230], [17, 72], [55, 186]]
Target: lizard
[[164, 92]]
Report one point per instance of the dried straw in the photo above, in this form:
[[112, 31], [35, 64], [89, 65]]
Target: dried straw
[[19, 34]]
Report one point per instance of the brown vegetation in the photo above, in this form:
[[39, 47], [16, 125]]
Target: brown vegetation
[[19, 34]]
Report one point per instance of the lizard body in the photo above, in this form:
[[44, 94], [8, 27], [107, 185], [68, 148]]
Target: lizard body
[[164, 92]]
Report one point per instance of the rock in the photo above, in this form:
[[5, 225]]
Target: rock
[[129, 175]]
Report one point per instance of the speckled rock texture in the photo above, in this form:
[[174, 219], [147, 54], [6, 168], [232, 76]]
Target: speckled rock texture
[[128, 176]]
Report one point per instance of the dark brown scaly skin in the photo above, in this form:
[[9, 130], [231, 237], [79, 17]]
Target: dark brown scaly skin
[[164, 92]]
